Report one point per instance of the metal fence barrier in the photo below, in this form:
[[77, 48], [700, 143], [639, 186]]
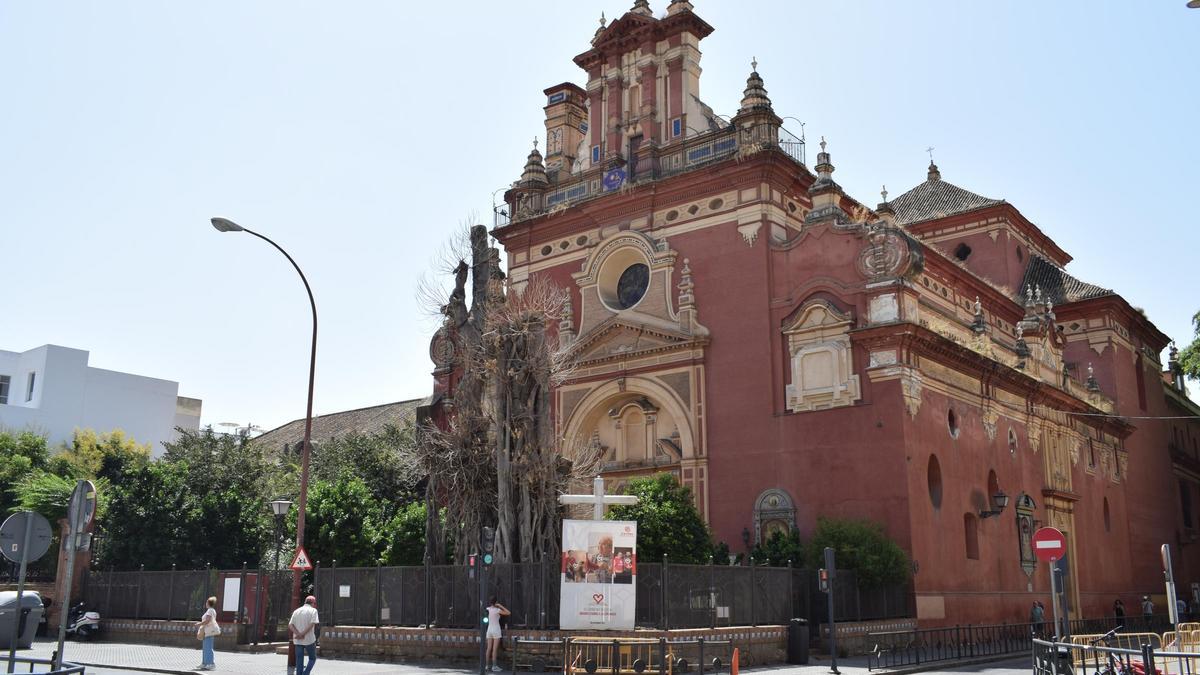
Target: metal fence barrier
[[894, 649], [669, 596], [19, 663], [1059, 658]]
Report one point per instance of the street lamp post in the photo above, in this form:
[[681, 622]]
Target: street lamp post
[[280, 508], [225, 225]]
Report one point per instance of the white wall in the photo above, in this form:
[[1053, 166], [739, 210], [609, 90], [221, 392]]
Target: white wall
[[69, 395]]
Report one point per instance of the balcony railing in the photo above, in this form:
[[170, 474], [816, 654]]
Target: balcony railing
[[675, 158]]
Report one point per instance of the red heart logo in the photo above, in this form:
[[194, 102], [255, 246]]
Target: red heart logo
[[598, 597]]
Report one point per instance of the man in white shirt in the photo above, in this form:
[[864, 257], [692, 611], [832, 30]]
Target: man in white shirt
[[303, 627]]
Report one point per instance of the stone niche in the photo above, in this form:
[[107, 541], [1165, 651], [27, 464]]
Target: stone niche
[[822, 364]]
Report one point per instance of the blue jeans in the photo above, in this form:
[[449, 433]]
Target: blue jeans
[[301, 651], [207, 651]]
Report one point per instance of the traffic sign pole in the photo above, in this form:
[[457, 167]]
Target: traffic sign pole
[[76, 518], [1054, 597], [1050, 546], [12, 647]]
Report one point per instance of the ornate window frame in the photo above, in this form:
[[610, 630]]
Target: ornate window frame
[[820, 329]]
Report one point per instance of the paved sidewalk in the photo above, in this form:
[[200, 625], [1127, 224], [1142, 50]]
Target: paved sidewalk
[[172, 660], [108, 656]]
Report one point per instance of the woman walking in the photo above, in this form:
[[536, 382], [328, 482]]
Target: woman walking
[[495, 610], [207, 631]]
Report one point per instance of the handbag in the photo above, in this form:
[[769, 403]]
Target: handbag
[[199, 632]]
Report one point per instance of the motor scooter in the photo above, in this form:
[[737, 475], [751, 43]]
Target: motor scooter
[[82, 624]]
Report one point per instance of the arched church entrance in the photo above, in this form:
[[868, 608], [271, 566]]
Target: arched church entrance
[[637, 427]]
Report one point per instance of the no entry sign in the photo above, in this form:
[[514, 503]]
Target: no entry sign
[[1049, 544]]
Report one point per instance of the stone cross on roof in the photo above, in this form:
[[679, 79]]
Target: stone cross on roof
[[597, 499]]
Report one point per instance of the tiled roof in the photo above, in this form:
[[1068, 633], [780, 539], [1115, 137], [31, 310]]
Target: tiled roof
[[935, 198], [1055, 283], [325, 427]]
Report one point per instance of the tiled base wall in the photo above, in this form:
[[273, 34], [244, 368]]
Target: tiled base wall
[[168, 633], [852, 637], [761, 645]]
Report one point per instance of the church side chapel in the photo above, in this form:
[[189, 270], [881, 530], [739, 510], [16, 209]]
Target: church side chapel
[[790, 351]]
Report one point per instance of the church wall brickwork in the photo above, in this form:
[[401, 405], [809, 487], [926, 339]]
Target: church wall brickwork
[[824, 348]]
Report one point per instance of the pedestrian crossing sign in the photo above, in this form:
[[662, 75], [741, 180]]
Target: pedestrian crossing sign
[[301, 562]]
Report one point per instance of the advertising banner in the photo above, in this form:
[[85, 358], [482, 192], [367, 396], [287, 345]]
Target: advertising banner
[[599, 570]]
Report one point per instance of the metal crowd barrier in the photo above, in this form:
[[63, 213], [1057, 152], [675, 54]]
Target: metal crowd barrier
[[1071, 658], [19, 663], [622, 656]]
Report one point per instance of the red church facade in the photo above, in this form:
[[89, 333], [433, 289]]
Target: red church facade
[[790, 352]]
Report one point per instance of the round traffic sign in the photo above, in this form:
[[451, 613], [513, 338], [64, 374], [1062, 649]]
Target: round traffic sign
[[1049, 544], [12, 536]]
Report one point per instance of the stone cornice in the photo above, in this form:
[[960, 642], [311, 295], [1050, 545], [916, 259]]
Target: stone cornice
[[911, 338], [1137, 321]]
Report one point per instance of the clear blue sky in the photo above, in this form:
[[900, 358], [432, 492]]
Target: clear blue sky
[[360, 134]]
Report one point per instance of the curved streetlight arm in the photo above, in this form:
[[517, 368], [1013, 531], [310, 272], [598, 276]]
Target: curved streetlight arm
[[225, 225], [305, 450]]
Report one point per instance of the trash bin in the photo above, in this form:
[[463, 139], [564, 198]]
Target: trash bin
[[26, 619], [797, 646]]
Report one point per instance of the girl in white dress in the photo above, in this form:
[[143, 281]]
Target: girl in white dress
[[495, 610]]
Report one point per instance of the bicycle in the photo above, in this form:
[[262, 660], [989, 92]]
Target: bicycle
[[1112, 666]]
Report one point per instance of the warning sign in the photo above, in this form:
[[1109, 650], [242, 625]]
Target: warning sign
[[301, 562]]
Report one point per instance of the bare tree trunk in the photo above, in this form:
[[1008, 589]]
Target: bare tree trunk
[[497, 462]]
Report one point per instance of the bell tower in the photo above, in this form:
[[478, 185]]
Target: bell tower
[[566, 123]]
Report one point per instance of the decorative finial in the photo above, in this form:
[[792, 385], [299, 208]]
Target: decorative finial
[[535, 142], [602, 20], [930, 151], [822, 143], [754, 63], [883, 192]]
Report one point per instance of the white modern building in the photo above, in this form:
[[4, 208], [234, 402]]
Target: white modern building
[[51, 390]]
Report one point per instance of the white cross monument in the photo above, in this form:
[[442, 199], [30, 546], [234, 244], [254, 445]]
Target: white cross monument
[[598, 499]]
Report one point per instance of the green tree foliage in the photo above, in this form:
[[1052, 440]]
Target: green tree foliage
[[779, 549], [404, 536], [862, 546], [344, 523], [91, 455], [667, 519], [1189, 356], [205, 501], [384, 462], [20, 455], [44, 493]]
